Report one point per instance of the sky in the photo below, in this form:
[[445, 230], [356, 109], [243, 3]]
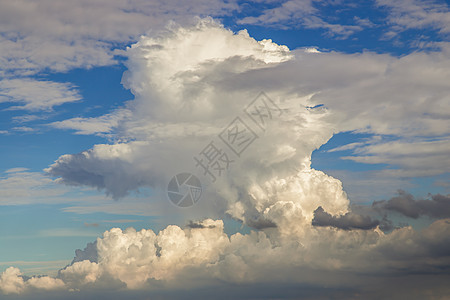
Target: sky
[[226, 149]]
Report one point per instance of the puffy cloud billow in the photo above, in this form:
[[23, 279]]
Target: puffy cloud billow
[[189, 83], [184, 82], [203, 256]]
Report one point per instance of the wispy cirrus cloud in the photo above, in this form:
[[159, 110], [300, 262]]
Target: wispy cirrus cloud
[[21, 186], [302, 13], [413, 14], [36, 95], [406, 158], [83, 34], [101, 125]]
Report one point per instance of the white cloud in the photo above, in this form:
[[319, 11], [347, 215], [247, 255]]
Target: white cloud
[[36, 95], [401, 16], [352, 146], [83, 33], [24, 129], [59, 37], [28, 118], [301, 13], [46, 283], [96, 125], [412, 14], [189, 83], [21, 186], [12, 282], [366, 186], [205, 256], [181, 100], [415, 158], [16, 170]]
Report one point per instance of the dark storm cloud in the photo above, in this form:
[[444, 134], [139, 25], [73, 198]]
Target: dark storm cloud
[[347, 222], [89, 253], [84, 169], [386, 224], [199, 225], [438, 206], [260, 223]]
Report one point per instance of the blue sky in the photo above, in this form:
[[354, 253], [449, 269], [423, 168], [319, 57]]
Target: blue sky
[[380, 71]]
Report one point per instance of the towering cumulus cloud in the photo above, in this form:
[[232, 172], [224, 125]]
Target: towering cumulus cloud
[[189, 84], [193, 86]]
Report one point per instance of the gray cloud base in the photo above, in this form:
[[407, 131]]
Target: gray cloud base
[[348, 221], [436, 207]]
